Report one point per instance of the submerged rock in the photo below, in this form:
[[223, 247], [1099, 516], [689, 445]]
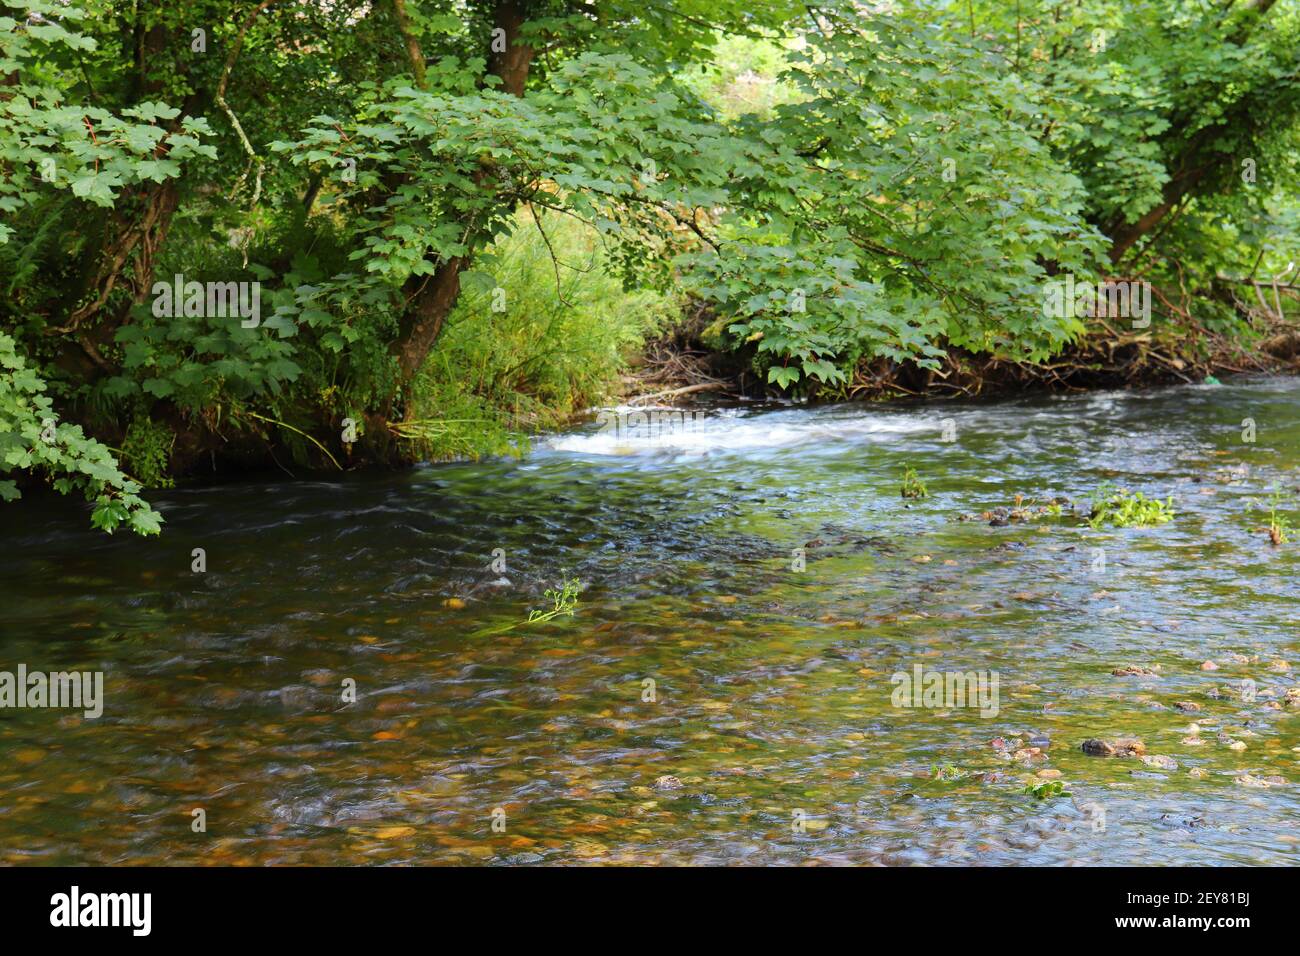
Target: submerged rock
[[1160, 761], [1133, 670], [1124, 747]]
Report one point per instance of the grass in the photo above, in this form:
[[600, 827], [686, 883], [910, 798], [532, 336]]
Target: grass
[[533, 341], [1278, 525]]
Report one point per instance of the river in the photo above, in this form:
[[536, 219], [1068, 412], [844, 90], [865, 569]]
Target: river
[[724, 692]]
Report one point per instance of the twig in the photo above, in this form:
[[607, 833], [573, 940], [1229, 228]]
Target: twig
[[253, 159], [686, 390]]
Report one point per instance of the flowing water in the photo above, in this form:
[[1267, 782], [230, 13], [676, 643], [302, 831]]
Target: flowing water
[[705, 647]]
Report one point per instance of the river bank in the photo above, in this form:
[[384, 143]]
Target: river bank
[[682, 364]]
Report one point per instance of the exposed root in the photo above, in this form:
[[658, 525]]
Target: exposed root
[[677, 365], [1106, 357]]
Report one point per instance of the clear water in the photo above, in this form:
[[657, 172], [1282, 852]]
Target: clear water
[[772, 686]]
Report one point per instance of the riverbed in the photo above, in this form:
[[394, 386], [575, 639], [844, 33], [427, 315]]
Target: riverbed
[[351, 677]]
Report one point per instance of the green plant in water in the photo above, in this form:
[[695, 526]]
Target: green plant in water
[[564, 599], [1278, 524], [1124, 509], [948, 772], [913, 487], [1046, 789]]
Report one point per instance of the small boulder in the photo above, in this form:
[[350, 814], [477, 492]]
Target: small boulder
[[1124, 747], [1130, 747]]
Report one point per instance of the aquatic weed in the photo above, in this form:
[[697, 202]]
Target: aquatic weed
[[913, 487], [1124, 509], [1046, 789]]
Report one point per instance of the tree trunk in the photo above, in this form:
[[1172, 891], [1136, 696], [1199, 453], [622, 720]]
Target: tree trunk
[[1198, 157], [1124, 235], [430, 299], [429, 303]]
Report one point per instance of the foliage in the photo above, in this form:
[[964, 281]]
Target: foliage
[[564, 601], [842, 184], [540, 334], [32, 439], [1046, 789], [90, 151], [1122, 509], [912, 486], [146, 449], [744, 75]]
